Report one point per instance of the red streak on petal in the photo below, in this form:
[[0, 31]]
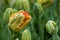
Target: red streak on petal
[[24, 22], [24, 13]]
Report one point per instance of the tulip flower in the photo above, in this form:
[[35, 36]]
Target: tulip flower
[[18, 20]]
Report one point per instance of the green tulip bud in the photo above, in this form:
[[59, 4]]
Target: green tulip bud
[[18, 4], [22, 4], [7, 14], [26, 35], [26, 5], [51, 27]]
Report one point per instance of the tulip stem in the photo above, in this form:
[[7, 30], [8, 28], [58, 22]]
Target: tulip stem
[[15, 35]]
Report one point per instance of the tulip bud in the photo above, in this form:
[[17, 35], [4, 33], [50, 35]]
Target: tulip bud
[[18, 4], [26, 5], [26, 35], [18, 20], [51, 27], [7, 14], [22, 4], [45, 3], [10, 2], [32, 2]]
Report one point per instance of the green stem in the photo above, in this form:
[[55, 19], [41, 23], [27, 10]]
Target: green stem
[[15, 35]]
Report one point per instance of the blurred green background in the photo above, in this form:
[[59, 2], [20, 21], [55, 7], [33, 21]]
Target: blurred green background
[[40, 10]]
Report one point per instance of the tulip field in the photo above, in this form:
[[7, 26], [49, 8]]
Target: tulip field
[[29, 19]]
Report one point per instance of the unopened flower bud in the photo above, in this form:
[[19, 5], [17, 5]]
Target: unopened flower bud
[[18, 20], [7, 14], [26, 35], [45, 3], [51, 27]]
